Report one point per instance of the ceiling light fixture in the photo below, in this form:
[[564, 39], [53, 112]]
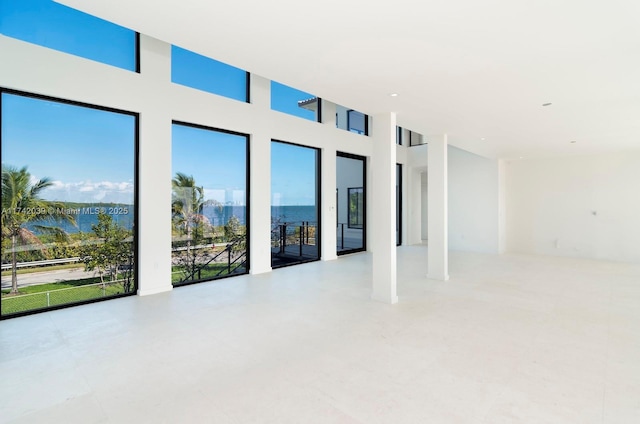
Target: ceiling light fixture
[[573, 142], [482, 139], [393, 94], [546, 104]]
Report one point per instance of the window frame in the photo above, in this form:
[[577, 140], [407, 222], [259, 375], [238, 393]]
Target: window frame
[[136, 194], [318, 188], [248, 199], [365, 123]]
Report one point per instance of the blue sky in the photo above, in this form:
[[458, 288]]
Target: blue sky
[[285, 99], [216, 160], [53, 25], [89, 153], [293, 175], [197, 71]]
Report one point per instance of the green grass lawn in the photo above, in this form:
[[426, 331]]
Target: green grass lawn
[[53, 294]]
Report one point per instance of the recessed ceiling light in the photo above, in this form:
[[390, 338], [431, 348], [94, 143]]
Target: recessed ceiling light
[[394, 94], [521, 157], [573, 142], [546, 104], [482, 139]]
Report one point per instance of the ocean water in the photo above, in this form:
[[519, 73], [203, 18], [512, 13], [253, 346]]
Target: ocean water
[[124, 215], [294, 214], [291, 214]]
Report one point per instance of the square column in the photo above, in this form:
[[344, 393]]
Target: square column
[[438, 250], [382, 198], [154, 182], [328, 201], [260, 180]]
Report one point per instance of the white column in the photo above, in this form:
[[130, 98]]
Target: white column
[[382, 197], [328, 195], [154, 182], [438, 256], [329, 207], [260, 180]]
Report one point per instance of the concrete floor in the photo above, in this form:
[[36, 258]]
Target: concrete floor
[[509, 339]]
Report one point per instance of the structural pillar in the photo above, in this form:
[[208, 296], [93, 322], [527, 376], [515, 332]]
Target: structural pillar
[[154, 182], [260, 180], [383, 211], [438, 250], [329, 207], [328, 195]]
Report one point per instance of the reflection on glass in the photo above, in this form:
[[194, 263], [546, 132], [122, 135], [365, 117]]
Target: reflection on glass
[[416, 139], [352, 120], [53, 25], [356, 207], [356, 122], [68, 203], [351, 203], [208, 205], [294, 204]]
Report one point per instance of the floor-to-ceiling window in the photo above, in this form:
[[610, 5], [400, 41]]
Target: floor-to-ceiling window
[[209, 207], [68, 202], [295, 205], [351, 203]]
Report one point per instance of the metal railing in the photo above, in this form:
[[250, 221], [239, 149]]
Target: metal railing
[[194, 271], [288, 238], [351, 241]]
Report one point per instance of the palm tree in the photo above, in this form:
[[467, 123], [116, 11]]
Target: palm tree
[[21, 204], [186, 206]]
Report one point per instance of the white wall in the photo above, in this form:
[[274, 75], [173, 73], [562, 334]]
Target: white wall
[[473, 202], [583, 206], [473, 199]]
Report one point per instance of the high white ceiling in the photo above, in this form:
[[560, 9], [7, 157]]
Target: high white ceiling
[[474, 69]]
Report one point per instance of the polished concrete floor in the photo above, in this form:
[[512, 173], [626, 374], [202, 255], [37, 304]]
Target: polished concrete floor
[[509, 339]]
